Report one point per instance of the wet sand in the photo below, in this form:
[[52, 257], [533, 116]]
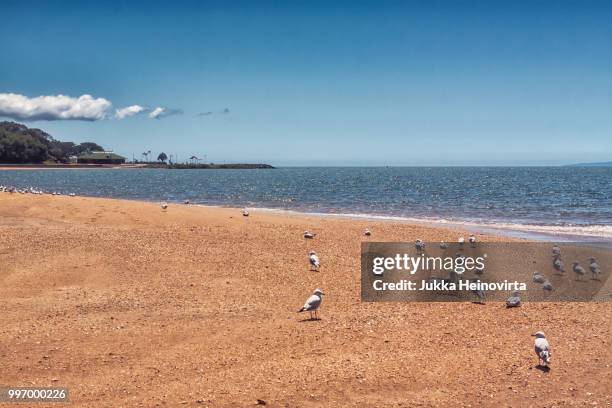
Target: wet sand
[[128, 305]]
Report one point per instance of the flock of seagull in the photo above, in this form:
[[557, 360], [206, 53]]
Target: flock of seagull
[[30, 190], [541, 346], [313, 303], [559, 268]]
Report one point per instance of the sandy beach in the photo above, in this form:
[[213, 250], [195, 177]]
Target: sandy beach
[[128, 305]]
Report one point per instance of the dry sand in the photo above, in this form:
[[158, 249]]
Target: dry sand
[[128, 305]]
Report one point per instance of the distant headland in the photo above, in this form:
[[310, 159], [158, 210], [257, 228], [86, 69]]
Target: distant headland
[[599, 164], [29, 148]]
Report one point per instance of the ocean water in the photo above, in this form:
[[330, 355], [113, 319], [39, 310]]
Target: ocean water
[[556, 200]]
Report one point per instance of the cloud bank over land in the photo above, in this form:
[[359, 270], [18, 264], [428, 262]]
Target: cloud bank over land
[[63, 107]]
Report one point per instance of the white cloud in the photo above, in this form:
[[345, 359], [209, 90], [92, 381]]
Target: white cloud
[[162, 112], [54, 107], [129, 111]]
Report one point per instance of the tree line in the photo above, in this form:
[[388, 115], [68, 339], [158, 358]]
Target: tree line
[[20, 144]]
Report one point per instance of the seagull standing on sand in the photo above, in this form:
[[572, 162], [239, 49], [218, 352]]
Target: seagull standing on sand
[[313, 303], [367, 232], [542, 348], [164, 206], [538, 277], [547, 286], [594, 267], [245, 213], [578, 270], [558, 265], [479, 293], [419, 245], [472, 240], [443, 245], [309, 235], [461, 241], [556, 251], [514, 300], [314, 260]]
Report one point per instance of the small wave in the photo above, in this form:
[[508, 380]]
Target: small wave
[[583, 232]]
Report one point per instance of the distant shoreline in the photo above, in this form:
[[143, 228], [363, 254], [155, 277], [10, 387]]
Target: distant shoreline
[[10, 166]]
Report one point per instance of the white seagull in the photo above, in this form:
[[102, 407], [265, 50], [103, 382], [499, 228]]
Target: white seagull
[[558, 265], [594, 267], [472, 240], [542, 348], [164, 206], [578, 270], [538, 277], [514, 300], [461, 241], [313, 303], [245, 213], [419, 245], [309, 235], [443, 245], [314, 260], [367, 232]]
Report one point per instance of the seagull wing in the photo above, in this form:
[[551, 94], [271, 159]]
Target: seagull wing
[[314, 260], [312, 303]]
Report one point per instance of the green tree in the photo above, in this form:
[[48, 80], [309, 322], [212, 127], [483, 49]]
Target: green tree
[[162, 157]]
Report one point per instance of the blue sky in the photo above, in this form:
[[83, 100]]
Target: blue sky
[[325, 83]]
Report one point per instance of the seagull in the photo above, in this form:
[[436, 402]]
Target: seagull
[[443, 245], [558, 265], [186, 202], [542, 348], [556, 251], [72, 195], [594, 267], [461, 241], [479, 293], [367, 232], [314, 260], [164, 206], [309, 235], [514, 300], [419, 245], [245, 213], [313, 303], [547, 286], [538, 277], [472, 240], [578, 270]]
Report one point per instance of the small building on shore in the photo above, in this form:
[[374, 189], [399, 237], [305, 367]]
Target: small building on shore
[[100, 158]]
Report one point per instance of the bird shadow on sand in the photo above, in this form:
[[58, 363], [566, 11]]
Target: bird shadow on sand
[[309, 319], [542, 368]]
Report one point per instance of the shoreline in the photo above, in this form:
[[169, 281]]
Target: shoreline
[[512, 231]]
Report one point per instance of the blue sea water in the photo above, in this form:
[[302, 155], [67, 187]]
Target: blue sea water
[[570, 200]]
